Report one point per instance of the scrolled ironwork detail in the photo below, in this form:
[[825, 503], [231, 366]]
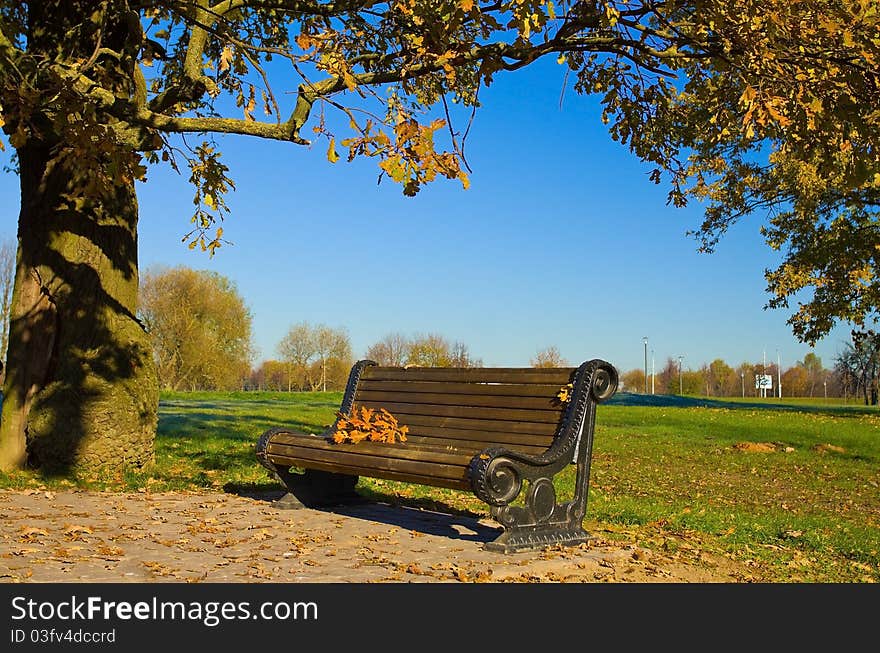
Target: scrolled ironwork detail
[[541, 499], [354, 378], [497, 478], [604, 383], [262, 449], [542, 520]]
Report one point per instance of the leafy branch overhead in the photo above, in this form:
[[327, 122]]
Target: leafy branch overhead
[[771, 107]]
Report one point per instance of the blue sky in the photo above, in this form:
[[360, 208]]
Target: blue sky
[[561, 240]]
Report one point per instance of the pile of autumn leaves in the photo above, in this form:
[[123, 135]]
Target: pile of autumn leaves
[[374, 425]]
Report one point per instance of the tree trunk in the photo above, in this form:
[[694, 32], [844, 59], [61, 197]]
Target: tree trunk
[[81, 392]]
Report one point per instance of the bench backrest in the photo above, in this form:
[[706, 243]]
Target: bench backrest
[[469, 408]]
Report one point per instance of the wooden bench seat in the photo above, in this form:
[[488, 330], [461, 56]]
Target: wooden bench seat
[[491, 431]]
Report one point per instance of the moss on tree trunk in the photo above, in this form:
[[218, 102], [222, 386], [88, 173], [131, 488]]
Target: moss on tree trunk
[[81, 389]]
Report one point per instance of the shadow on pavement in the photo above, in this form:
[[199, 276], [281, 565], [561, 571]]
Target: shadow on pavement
[[421, 520]]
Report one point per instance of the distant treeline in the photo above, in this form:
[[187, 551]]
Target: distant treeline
[[855, 374], [201, 332]]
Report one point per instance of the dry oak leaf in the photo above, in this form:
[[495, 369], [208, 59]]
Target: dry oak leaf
[[72, 532], [375, 425], [30, 532], [564, 394]]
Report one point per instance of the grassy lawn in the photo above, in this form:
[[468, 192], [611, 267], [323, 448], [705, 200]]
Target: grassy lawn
[[791, 488]]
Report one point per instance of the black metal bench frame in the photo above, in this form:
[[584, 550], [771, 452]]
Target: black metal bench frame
[[497, 475]]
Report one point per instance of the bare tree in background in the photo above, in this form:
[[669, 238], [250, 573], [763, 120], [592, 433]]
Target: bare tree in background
[[7, 278], [431, 350], [315, 355], [331, 344], [390, 351], [859, 365], [549, 357], [461, 356], [296, 349]]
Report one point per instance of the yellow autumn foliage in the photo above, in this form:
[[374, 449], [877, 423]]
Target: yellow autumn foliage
[[374, 425], [564, 394]]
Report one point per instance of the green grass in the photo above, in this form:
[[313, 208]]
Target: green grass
[[682, 475], [802, 511]]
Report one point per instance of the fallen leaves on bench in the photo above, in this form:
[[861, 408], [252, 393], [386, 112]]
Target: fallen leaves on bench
[[564, 394], [375, 425]]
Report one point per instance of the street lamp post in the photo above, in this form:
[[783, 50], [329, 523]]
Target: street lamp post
[[778, 374], [742, 376], [680, 391], [652, 371], [645, 340], [764, 373]]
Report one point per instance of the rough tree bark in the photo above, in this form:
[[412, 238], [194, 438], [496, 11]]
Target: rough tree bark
[[81, 385], [81, 393]]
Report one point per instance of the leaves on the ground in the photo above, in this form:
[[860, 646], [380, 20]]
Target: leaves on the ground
[[73, 532], [30, 533]]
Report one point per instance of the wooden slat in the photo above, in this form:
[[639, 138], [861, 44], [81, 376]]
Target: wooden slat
[[401, 450], [451, 387], [470, 374], [480, 437], [548, 402], [472, 446], [426, 448], [466, 412], [353, 459], [482, 440], [534, 428], [372, 472]]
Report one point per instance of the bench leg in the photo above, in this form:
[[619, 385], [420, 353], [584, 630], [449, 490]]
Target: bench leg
[[531, 538], [288, 502], [315, 489], [541, 522]]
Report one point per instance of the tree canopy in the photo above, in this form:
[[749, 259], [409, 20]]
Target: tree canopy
[[421, 350], [765, 106], [200, 328], [548, 357], [751, 107]]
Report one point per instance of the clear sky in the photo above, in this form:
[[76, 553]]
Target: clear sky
[[561, 240]]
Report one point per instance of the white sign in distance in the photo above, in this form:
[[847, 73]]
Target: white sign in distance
[[763, 381]]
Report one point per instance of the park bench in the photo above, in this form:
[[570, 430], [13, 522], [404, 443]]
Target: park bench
[[486, 430]]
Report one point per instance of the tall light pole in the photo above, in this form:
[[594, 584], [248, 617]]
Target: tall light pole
[[645, 340], [680, 391], [764, 373], [742, 376], [652, 371], [778, 374]]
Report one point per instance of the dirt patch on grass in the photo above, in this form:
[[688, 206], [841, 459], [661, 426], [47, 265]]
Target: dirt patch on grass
[[81, 536], [825, 448], [756, 447]]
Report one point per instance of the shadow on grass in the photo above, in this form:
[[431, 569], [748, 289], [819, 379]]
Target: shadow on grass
[[678, 401], [253, 424]]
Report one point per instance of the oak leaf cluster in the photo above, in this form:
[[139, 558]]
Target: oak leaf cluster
[[374, 425], [564, 394]]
